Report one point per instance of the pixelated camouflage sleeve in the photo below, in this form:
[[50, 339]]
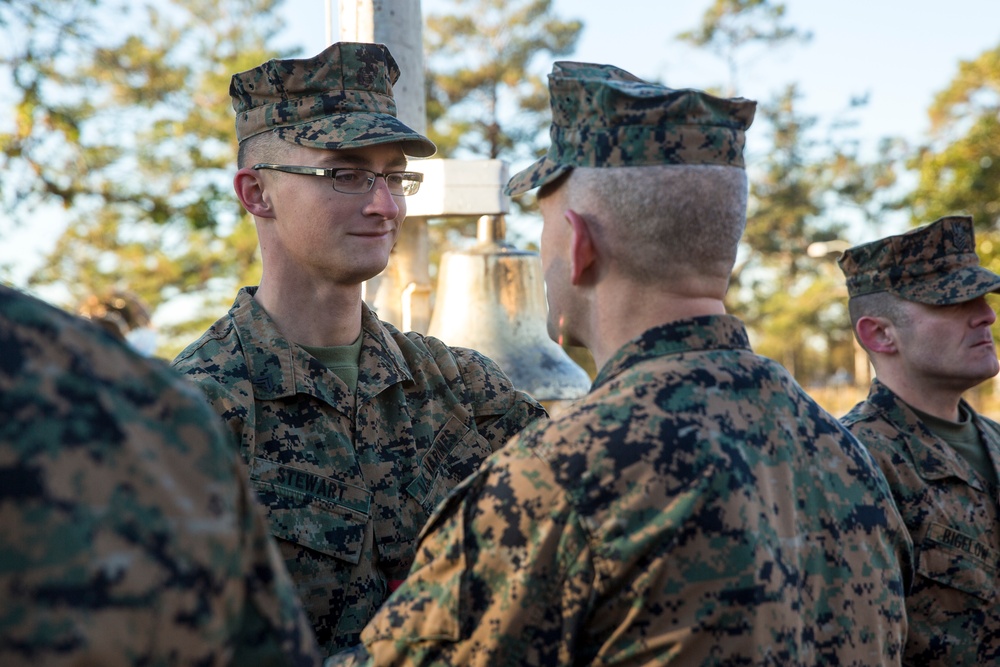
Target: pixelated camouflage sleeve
[[274, 629], [489, 566], [232, 401]]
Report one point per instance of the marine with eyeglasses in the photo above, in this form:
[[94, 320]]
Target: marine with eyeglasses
[[352, 430]]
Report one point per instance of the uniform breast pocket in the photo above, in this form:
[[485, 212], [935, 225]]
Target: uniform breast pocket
[[311, 510], [456, 453], [957, 560]]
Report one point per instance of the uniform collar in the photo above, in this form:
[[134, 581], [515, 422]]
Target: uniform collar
[[932, 457], [709, 332], [279, 368]]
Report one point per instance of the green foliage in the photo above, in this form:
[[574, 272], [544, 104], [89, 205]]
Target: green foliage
[[772, 284], [805, 192], [805, 189], [959, 169], [728, 27], [125, 122], [483, 99]]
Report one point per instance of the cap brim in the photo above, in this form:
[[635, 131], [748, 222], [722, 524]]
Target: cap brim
[[357, 130], [959, 286], [541, 172]]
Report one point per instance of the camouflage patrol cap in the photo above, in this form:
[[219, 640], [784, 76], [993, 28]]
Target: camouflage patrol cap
[[935, 264], [341, 98], [603, 116]]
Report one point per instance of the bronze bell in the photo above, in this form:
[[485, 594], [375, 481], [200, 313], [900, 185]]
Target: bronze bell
[[491, 298]]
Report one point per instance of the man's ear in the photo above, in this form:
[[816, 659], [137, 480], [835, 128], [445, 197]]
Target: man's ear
[[582, 251], [876, 334], [250, 189]]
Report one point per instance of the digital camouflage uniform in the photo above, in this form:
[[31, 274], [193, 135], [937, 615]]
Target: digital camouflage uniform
[[348, 490], [129, 534], [954, 521], [596, 124], [696, 508], [952, 515]]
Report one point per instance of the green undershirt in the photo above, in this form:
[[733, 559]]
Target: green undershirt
[[963, 436], [341, 359]]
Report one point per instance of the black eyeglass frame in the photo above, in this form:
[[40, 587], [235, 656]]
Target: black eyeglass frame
[[411, 176]]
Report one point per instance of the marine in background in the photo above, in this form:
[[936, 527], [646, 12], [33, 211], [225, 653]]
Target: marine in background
[[918, 306]]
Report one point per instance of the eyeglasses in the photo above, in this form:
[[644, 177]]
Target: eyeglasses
[[353, 181]]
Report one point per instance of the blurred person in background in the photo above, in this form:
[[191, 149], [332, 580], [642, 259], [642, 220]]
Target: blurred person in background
[[123, 315]]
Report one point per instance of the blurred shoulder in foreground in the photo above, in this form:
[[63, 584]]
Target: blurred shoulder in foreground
[[129, 534]]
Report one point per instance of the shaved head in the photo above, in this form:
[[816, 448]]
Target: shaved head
[[665, 222]]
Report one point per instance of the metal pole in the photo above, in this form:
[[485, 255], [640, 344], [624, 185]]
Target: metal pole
[[401, 293], [329, 22], [399, 25]]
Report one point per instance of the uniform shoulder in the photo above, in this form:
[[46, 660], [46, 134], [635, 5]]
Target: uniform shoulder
[[40, 336], [861, 412], [218, 339], [476, 372], [78, 371], [873, 429]]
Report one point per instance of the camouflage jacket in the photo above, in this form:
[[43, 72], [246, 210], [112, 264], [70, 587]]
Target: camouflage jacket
[[696, 508], [348, 489], [954, 521], [129, 533]]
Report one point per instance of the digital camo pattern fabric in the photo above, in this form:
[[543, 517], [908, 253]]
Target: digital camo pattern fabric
[[348, 490], [935, 264], [954, 521], [603, 116], [697, 508], [129, 534], [341, 98]]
